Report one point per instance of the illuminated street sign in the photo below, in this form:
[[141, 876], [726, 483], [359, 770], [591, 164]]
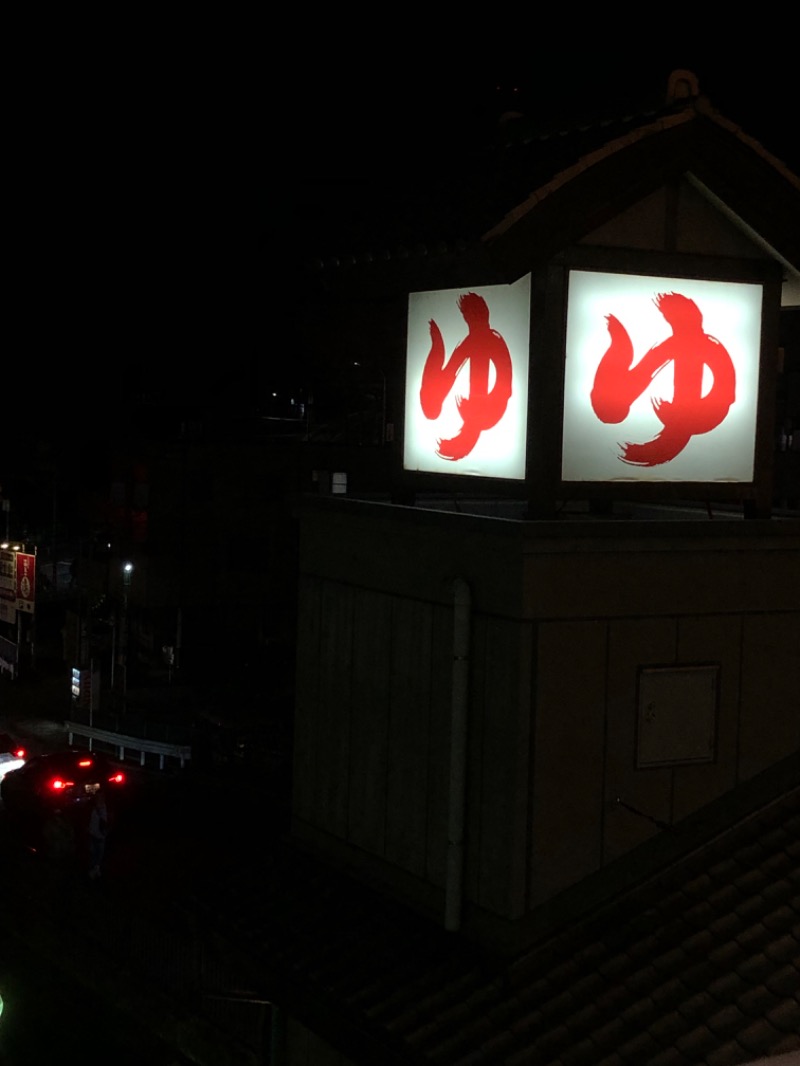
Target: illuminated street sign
[[661, 379], [467, 380], [25, 581]]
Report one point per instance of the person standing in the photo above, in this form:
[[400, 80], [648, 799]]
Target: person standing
[[98, 831]]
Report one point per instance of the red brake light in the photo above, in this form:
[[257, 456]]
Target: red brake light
[[117, 779], [85, 762], [57, 784], [20, 753]]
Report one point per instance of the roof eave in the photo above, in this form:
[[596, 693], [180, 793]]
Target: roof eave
[[697, 141]]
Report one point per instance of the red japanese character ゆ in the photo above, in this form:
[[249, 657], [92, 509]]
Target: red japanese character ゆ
[[483, 347], [618, 383]]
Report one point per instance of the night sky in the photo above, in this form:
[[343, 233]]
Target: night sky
[[364, 133], [388, 126], [159, 199]]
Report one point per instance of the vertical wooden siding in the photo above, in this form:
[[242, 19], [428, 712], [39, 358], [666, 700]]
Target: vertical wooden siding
[[567, 777], [409, 735], [554, 665], [369, 721]]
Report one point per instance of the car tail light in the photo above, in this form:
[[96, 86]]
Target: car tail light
[[117, 778], [58, 784], [85, 762], [19, 753]]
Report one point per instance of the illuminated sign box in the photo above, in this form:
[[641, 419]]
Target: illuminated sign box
[[466, 402], [26, 581], [661, 379]]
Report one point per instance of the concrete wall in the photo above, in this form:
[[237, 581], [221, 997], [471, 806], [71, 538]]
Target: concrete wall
[[607, 606], [564, 615]]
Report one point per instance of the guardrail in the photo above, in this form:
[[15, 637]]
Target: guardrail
[[122, 741]]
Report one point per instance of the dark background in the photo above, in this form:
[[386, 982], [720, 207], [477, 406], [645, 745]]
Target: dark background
[[166, 179]]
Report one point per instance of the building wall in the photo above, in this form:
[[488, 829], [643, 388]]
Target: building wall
[[563, 617], [305, 1048]]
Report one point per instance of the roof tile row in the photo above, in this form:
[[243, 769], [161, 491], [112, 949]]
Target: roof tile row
[[702, 965]]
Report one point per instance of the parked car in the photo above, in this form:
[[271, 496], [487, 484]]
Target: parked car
[[48, 798]]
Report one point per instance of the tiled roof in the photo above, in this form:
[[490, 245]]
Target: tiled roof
[[497, 179], [701, 965], [455, 205], [447, 207]]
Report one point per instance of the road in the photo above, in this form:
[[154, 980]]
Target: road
[[175, 841], [179, 838], [49, 1017]]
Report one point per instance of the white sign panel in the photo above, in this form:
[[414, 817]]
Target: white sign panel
[[467, 380], [661, 379]]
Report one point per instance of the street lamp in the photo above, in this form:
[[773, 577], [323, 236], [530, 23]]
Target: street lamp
[[127, 570]]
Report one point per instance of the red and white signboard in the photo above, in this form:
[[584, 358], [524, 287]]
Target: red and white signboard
[[17, 583], [660, 379], [467, 380], [26, 582]]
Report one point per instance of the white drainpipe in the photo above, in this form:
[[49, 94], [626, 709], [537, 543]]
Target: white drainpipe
[[454, 886]]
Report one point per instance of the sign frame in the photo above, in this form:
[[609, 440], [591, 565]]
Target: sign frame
[[754, 492], [442, 476]]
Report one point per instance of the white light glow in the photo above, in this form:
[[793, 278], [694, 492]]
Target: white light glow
[[499, 450], [9, 763], [592, 449]]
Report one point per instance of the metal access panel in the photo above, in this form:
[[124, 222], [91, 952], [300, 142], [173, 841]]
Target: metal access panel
[[677, 715]]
